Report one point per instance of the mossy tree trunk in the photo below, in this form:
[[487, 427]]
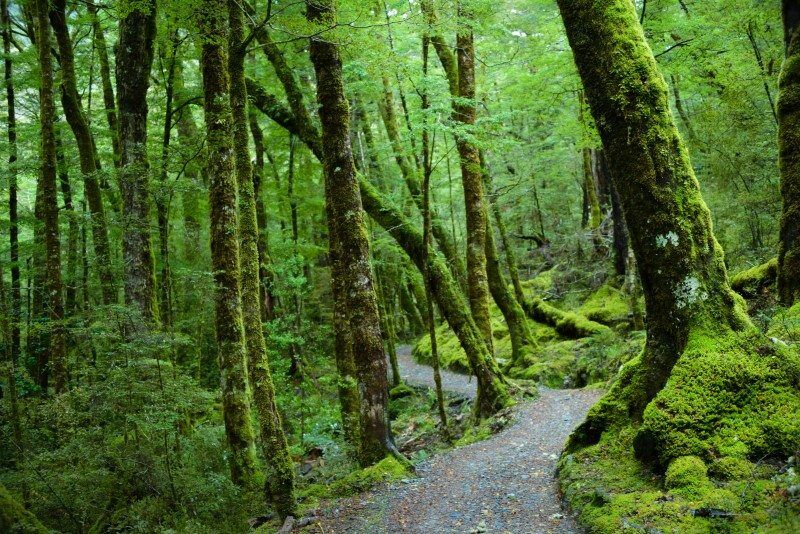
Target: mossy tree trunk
[[465, 112], [212, 21], [347, 221], [90, 167], [137, 31], [680, 262], [71, 271], [280, 468], [49, 205], [789, 157], [13, 229], [105, 79]]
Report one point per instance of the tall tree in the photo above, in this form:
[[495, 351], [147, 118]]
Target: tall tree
[[49, 204], [13, 228], [280, 474], [90, 166], [105, 79], [789, 157], [346, 222], [212, 17], [687, 295], [465, 112], [137, 29]]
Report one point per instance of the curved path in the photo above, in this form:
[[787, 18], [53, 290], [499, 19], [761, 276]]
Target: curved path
[[504, 484]]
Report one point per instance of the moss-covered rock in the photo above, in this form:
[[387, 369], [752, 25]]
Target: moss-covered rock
[[608, 305], [387, 470]]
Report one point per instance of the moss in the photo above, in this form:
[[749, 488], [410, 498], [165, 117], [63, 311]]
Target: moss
[[401, 391], [687, 475], [735, 395], [731, 468], [387, 470], [15, 518], [751, 282], [608, 305]]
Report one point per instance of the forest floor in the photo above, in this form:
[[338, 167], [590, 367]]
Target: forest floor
[[503, 484]]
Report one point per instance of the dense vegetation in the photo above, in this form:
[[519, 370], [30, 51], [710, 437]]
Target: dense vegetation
[[222, 220]]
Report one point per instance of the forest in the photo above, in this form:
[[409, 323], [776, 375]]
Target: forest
[[426, 266]]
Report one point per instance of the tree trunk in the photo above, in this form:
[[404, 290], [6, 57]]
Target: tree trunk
[[464, 111], [346, 218], [789, 158], [105, 77], [280, 468], [137, 31], [620, 228], [680, 262], [213, 24], [49, 204], [13, 228], [70, 288], [70, 102]]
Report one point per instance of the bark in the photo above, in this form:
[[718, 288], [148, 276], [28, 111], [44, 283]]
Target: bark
[[264, 272], [13, 228], [70, 289], [73, 111], [465, 112], [346, 219], [213, 25], [105, 78], [280, 468], [620, 231], [49, 205], [592, 215], [134, 60], [680, 262], [789, 158]]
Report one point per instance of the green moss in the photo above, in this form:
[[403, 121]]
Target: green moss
[[401, 391], [753, 281], [15, 518], [731, 468], [608, 305], [687, 475], [735, 395], [387, 470]]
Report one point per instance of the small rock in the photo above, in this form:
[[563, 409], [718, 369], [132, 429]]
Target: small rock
[[556, 517]]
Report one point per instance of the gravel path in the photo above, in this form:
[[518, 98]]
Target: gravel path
[[422, 375], [501, 485]]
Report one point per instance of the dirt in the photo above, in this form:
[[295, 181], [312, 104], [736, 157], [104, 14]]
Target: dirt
[[504, 484]]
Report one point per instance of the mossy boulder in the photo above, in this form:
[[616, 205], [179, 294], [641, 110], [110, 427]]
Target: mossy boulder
[[387, 470], [608, 305]]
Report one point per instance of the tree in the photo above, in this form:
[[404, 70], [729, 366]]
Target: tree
[[49, 206], [137, 29], [280, 474], [346, 223], [700, 341], [212, 18], [789, 157]]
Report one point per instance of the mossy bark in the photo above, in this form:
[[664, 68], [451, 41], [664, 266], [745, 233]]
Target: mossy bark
[[680, 262], [465, 112], [344, 205], [105, 78], [212, 18], [15, 518], [49, 204], [13, 229], [789, 158], [71, 271], [280, 468], [73, 111], [137, 29]]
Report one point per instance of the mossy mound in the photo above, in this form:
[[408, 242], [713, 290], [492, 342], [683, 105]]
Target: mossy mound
[[608, 305], [611, 491], [738, 396], [387, 470]]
